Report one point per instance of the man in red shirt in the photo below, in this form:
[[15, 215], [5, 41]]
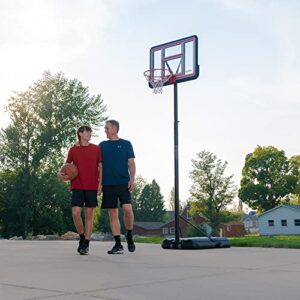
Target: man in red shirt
[[88, 159]]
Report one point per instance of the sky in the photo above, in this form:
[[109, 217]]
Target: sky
[[247, 94]]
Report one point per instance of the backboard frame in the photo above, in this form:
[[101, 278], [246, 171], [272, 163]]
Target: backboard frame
[[182, 74]]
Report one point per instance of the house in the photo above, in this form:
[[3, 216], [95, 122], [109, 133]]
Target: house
[[250, 222], [232, 229], [167, 229], [147, 228], [280, 220]]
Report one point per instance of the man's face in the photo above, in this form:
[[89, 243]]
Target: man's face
[[85, 135], [110, 130]]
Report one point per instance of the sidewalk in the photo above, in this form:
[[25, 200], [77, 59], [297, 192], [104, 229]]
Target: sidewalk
[[53, 270]]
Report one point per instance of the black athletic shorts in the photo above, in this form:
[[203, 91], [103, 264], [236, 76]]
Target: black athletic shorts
[[114, 193], [87, 198]]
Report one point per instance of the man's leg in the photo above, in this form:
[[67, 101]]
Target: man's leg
[[89, 218], [89, 214], [128, 221], [116, 231], [128, 216], [114, 221], [76, 214]]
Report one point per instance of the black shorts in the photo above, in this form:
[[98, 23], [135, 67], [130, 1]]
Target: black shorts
[[87, 198], [114, 193]]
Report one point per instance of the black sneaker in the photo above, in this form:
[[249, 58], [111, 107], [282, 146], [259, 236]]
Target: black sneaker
[[84, 250], [80, 245], [116, 249], [130, 245]]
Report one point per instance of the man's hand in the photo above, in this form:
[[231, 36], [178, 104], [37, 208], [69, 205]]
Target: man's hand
[[63, 176], [131, 184]]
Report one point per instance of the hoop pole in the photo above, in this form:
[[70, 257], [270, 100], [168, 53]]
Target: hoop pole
[[176, 169]]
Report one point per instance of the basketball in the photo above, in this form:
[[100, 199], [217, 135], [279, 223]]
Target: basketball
[[70, 170]]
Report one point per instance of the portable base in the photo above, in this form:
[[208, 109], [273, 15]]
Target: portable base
[[196, 243]]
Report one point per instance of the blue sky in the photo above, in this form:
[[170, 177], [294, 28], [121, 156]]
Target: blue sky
[[247, 94]]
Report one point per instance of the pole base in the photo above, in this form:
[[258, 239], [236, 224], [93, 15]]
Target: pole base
[[196, 243]]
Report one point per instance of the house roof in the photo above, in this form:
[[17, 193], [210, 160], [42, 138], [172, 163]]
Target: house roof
[[293, 206], [251, 216], [149, 225], [290, 206]]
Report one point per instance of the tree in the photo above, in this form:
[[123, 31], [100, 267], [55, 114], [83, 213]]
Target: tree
[[138, 187], [268, 178], [295, 166], [211, 191], [43, 124], [171, 201], [151, 202]]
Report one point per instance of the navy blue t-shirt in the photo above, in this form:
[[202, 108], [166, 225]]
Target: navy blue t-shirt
[[115, 155]]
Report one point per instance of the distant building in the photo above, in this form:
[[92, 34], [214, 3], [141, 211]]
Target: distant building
[[280, 220], [232, 229], [250, 222], [168, 228], [148, 228]]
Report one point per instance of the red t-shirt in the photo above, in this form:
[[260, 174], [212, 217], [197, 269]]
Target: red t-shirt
[[87, 159]]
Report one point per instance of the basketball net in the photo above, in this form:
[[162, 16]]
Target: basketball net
[[157, 78]]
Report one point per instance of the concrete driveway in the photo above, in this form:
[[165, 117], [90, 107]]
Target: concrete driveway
[[53, 270]]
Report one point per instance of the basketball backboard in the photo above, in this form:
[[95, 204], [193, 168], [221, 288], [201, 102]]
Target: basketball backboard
[[179, 57]]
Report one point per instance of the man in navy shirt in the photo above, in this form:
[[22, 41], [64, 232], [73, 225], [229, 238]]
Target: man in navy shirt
[[118, 174]]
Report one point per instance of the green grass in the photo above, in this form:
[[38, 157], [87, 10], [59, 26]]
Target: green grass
[[282, 241], [149, 239]]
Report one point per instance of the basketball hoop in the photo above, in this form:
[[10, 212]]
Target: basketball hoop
[[157, 78]]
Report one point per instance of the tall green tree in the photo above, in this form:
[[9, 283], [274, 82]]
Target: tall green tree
[[151, 208], [138, 187], [268, 177], [171, 201], [211, 190], [295, 166], [43, 125]]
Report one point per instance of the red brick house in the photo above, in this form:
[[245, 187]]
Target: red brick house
[[147, 228], [232, 229], [168, 228]]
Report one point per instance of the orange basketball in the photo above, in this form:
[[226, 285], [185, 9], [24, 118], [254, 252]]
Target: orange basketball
[[70, 170]]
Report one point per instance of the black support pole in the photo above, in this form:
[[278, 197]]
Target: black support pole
[[176, 169]]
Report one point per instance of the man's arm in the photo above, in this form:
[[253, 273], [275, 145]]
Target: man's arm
[[61, 175], [131, 166], [100, 178]]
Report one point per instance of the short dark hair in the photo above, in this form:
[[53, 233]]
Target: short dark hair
[[82, 129], [114, 123]]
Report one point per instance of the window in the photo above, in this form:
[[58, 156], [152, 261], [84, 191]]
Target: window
[[297, 222], [271, 223], [165, 230], [228, 228], [283, 222], [172, 230]]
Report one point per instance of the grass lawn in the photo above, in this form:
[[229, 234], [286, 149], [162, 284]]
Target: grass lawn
[[149, 239], [283, 241]]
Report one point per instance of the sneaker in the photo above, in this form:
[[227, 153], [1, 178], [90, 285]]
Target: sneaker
[[80, 245], [130, 245], [116, 249], [84, 250]]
